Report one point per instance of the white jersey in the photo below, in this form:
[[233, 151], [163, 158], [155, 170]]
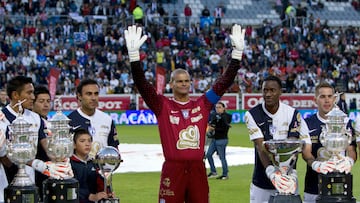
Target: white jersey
[[3, 180], [285, 123], [279, 127], [357, 128], [100, 126], [30, 117]]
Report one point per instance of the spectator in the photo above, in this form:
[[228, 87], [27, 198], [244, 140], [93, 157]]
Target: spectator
[[220, 124], [188, 14], [353, 104], [138, 15], [218, 14], [342, 103], [205, 12]]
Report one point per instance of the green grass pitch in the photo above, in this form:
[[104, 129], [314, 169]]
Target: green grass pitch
[[143, 187]]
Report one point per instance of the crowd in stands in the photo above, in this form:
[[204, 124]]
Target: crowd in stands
[[302, 55]]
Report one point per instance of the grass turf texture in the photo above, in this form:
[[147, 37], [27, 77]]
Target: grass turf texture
[[143, 187]]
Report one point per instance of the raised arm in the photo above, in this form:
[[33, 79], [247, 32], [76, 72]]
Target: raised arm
[[134, 40], [227, 78]]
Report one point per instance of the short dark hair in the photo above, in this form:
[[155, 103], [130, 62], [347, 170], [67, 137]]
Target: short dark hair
[[274, 78], [17, 84], [323, 85], [40, 89], [84, 83], [221, 103], [80, 131]]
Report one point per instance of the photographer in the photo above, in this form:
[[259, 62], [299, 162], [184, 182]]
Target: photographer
[[218, 127]]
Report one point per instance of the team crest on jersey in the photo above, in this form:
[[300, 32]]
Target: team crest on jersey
[[272, 129], [185, 113], [92, 131], [166, 182]]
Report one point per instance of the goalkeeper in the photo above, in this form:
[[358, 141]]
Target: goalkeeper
[[182, 122]]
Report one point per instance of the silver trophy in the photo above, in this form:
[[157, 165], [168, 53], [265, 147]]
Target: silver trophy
[[21, 148], [108, 160], [283, 155], [335, 137], [60, 147]]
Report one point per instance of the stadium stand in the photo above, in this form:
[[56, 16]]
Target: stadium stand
[[337, 14], [82, 44]]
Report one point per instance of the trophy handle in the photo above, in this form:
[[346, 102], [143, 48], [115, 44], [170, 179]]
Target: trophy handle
[[323, 134]]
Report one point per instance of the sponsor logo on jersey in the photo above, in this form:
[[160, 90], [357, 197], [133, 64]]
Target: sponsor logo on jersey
[[197, 118], [174, 120], [189, 138], [197, 109]]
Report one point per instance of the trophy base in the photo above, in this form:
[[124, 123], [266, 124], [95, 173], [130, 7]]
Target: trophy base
[[335, 187], [110, 200], [61, 191], [278, 198], [21, 194]]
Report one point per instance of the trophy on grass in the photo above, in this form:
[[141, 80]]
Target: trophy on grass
[[108, 160], [60, 147], [335, 137], [21, 148], [283, 155]]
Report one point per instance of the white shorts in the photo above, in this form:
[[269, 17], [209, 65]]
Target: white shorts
[[309, 198], [259, 195]]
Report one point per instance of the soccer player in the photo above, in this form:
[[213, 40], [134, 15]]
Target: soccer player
[[99, 124], [42, 107], [42, 102], [273, 119], [182, 122], [20, 91], [325, 100]]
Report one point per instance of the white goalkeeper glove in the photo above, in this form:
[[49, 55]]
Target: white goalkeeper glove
[[292, 182], [53, 170], [281, 182], [323, 167], [237, 38], [134, 40], [2, 144], [344, 164]]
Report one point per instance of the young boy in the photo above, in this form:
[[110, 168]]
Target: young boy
[[85, 170]]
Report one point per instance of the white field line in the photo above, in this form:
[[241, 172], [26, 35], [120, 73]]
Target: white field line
[[149, 157]]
